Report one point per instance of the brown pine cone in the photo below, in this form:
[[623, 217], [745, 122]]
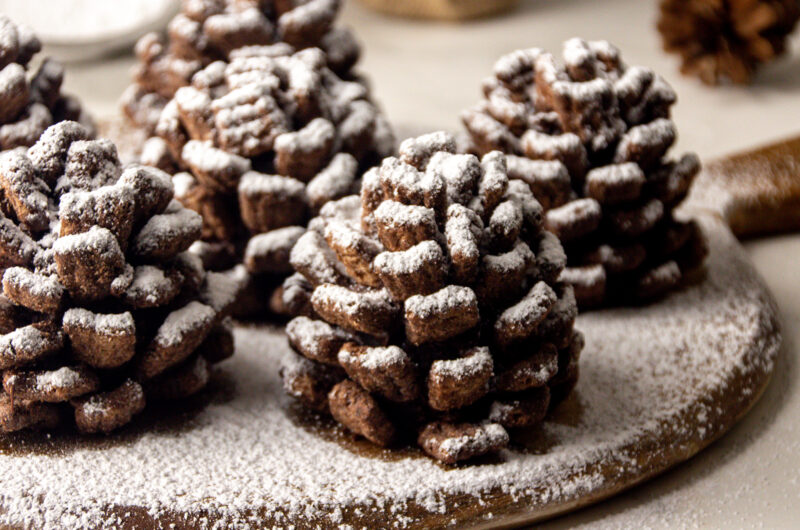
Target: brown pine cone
[[590, 138], [30, 102], [433, 308], [102, 304], [260, 145], [205, 31], [726, 40]]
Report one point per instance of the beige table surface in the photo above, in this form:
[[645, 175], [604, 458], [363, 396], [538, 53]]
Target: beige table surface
[[425, 73]]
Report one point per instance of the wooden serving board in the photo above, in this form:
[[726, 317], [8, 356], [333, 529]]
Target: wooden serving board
[[658, 384]]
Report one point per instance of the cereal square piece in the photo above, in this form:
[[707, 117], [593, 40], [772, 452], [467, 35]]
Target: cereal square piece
[[50, 386], [153, 190], [91, 264], [519, 321], [334, 181], [28, 344], [464, 234], [501, 275], [615, 183], [521, 410], [46, 83], [181, 333], [589, 283], [215, 168], [271, 201], [575, 219], [461, 173], [248, 119], [90, 164], [49, 154], [356, 409], [373, 312], [634, 221], [219, 344], [354, 250], [313, 258], [28, 128], [186, 379], [228, 31], [309, 382], [505, 225], [152, 287], [316, 339], [418, 151], [108, 411], [23, 191], [166, 235], [420, 270], [194, 109], [535, 371], [111, 207], [566, 148], [35, 291], [101, 340], [405, 184], [269, 252], [646, 144], [14, 91], [302, 154], [16, 415], [456, 383], [451, 443], [387, 371], [304, 25], [441, 315], [401, 226]]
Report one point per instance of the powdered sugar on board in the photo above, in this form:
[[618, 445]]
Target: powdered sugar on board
[[657, 384]]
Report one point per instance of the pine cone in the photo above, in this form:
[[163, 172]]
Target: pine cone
[[208, 30], [430, 307], [726, 40], [102, 306], [258, 145], [30, 104], [590, 139]]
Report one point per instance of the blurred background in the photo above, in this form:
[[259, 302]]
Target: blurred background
[[425, 72]]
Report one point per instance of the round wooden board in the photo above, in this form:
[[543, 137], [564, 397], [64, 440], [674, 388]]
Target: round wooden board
[[657, 385]]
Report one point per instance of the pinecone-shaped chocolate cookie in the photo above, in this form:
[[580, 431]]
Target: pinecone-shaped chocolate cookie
[[205, 31], [726, 41], [102, 306], [257, 146], [590, 138], [430, 308], [30, 102]]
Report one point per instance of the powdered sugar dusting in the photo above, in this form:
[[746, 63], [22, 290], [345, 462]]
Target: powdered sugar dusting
[[646, 375]]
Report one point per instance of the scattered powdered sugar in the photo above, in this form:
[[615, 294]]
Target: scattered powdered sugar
[[642, 403]]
